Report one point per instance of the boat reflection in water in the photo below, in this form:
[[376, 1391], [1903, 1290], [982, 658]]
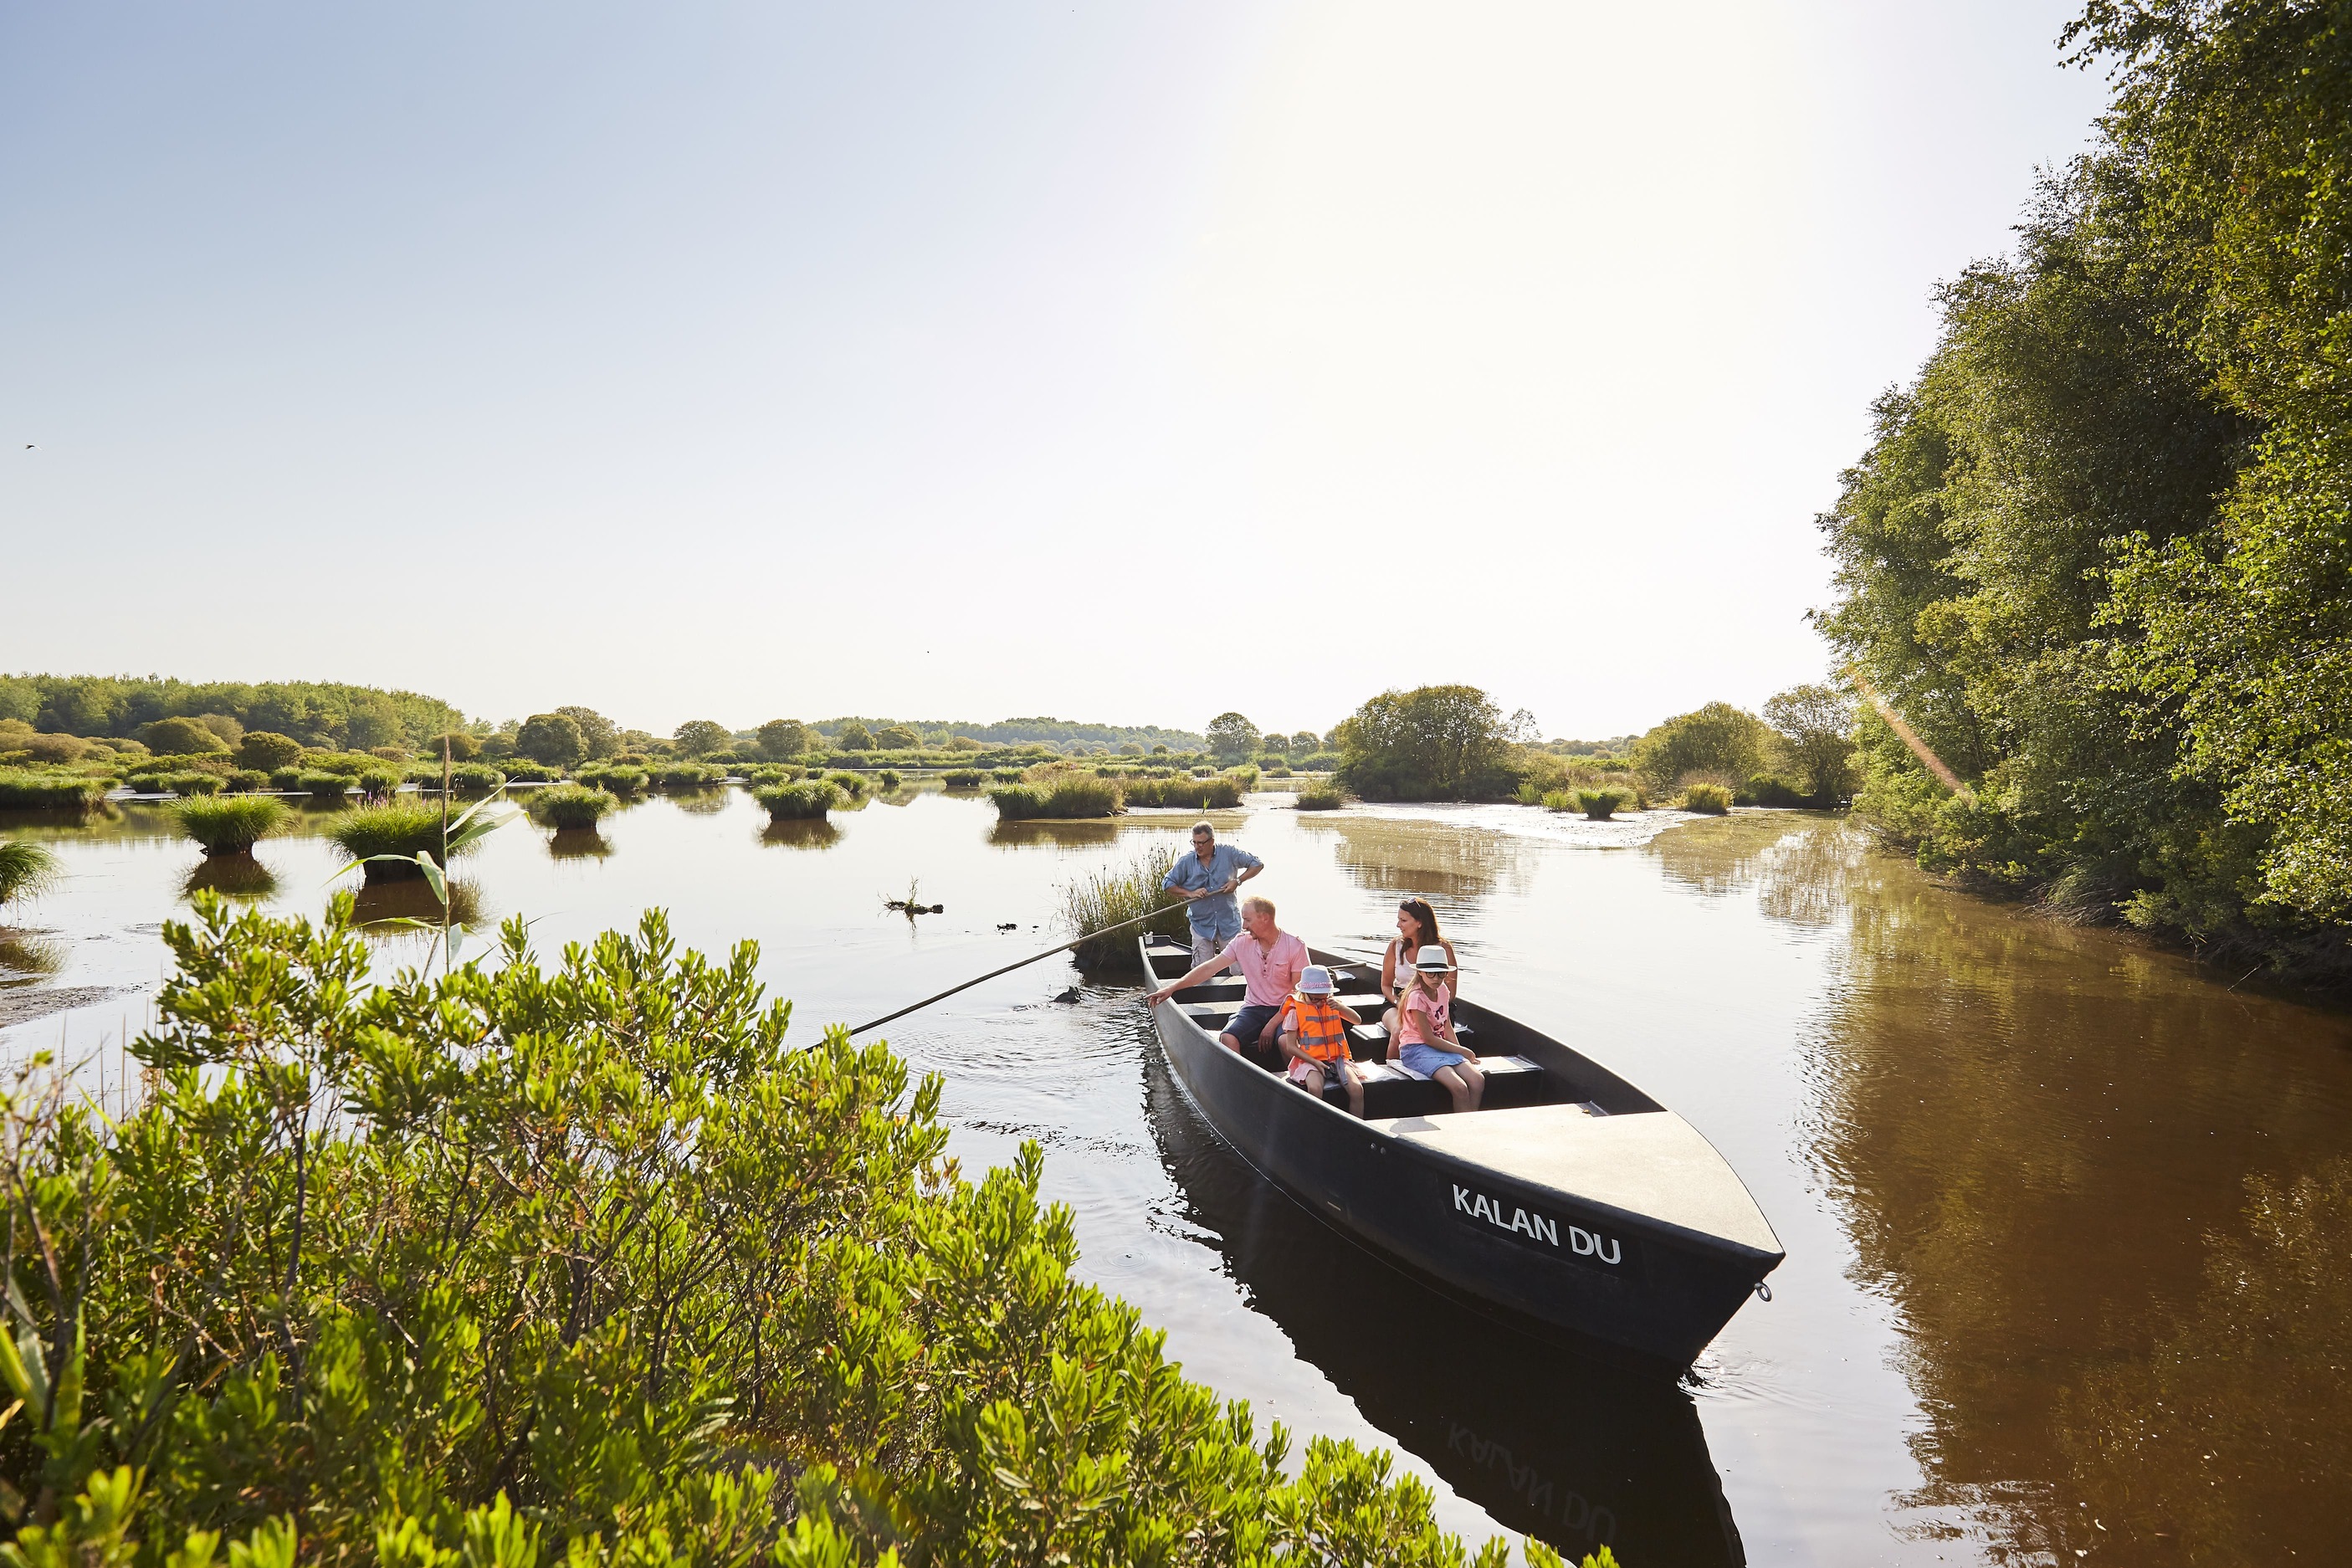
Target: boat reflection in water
[[1577, 1446]]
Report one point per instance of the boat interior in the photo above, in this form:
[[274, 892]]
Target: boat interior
[[1521, 1067]]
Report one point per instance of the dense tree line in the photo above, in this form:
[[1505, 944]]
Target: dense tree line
[[322, 713], [2097, 554]]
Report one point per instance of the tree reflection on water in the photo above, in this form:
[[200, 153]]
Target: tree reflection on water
[[2110, 1196], [1433, 859]]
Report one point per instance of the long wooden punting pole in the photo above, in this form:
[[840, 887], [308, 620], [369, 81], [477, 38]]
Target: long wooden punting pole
[[1008, 969]]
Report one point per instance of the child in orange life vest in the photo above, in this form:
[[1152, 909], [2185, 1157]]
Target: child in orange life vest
[[1313, 1031]]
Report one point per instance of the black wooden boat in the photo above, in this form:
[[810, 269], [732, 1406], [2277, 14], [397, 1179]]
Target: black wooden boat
[[1569, 1200]]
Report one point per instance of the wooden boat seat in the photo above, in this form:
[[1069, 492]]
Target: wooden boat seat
[[1392, 1088]]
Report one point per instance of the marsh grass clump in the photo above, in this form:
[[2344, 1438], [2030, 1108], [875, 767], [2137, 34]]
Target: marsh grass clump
[[405, 828], [1005, 775], [26, 869], [378, 781], [1063, 795], [27, 790], [887, 778], [228, 825], [616, 781], [519, 771], [569, 807], [1114, 895], [1556, 800], [323, 785], [1711, 799], [194, 784], [800, 802], [1601, 805], [689, 775], [1186, 794], [1322, 797], [287, 779], [245, 781], [854, 787], [965, 778]]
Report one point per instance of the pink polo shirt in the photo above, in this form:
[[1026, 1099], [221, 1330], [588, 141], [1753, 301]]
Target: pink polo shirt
[[1272, 975]]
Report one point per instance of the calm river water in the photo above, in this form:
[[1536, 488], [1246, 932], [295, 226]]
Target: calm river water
[[2069, 1221]]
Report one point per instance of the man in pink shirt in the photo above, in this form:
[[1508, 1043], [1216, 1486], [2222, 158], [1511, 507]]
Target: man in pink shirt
[[1270, 960]]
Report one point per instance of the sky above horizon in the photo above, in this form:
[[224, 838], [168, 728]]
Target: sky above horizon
[[1125, 364]]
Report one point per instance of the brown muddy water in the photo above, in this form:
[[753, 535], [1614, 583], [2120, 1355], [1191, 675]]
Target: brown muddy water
[[2069, 1221]]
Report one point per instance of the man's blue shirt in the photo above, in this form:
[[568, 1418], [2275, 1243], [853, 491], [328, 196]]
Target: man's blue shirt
[[1225, 863]]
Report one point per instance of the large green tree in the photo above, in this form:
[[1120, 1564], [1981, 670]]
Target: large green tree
[[1434, 742], [2099, 554]]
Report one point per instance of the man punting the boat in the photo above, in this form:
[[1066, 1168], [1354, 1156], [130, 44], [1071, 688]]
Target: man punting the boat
[[1206, 881], [1271, 961]]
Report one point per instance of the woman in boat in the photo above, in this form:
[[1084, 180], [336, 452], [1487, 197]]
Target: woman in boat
[[1425, 1041], [1416, 926]]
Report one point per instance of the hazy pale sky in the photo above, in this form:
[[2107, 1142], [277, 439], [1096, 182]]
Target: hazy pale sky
[[1125, 362]]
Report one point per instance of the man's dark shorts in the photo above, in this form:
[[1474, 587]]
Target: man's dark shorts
[[1250, 1022]]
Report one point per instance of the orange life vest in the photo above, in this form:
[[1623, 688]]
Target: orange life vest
[[1321, 1028]]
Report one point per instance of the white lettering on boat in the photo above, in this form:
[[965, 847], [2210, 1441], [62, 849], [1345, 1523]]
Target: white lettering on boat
[[1536, 1226]]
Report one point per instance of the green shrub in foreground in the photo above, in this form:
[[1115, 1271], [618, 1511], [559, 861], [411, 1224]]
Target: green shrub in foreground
[[796, 802], [25, 789], [228, 825], [570, 805], [726, 1302]]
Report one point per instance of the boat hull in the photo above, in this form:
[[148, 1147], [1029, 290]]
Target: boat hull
[[1538, 1255]]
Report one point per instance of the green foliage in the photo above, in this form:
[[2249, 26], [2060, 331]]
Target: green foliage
[[1771, 789], [405, 828], [853, 737], [1005, 775], [36, 748], [461, 747], [180, 736], [795, 802], [853, 786], [245, 781], [1232, 737], [699, 737], [586, 1266], [22, 789], [617, 779], [322, 713], [1556, 800], [1601, 805], [230, 825], [781, 740], [896, 738], [964, 778], [26, 870], [323, 785], [378, 780], [1434, 743], [1815, 726], [554, 739], [599, 738], [570, 805], [1716, 739], [689, 775], [1057, 792], [2099, 556], [529, 772], [1112, 896], [1323, 796], [1712, 799]]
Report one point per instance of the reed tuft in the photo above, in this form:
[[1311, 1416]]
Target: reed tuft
[[1711, 799], [26, 869], [228, 825], [798, 801], [406, 828], [1324, 796], [1113, 895], [567, 807]]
